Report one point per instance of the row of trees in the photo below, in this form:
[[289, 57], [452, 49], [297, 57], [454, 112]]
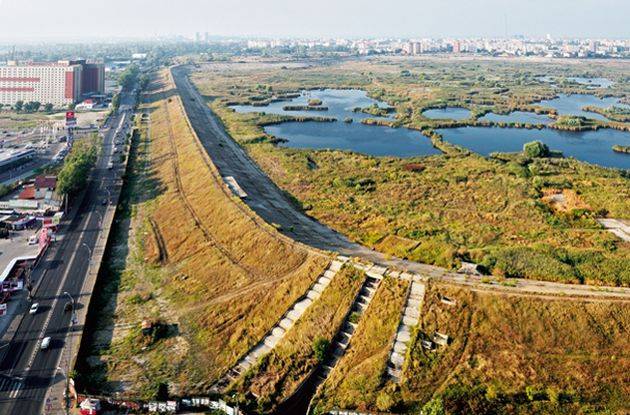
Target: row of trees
[[129, 76], [31, 106], [76, 168]]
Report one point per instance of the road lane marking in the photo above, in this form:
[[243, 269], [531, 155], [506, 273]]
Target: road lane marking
[[56, 299], [16, 390]]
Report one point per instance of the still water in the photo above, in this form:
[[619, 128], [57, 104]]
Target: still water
[[453, 113], [361, 138], [590, 146]]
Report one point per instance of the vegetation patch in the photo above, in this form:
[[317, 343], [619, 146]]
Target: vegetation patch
[[358, 380], [517, 354], [449, 208], [305, 345]]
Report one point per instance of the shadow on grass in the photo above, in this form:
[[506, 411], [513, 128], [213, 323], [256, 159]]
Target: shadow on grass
[[141, 184]]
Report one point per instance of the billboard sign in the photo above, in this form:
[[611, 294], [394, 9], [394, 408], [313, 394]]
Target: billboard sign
[[71, 119]]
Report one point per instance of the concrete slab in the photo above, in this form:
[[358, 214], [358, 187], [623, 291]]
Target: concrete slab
[[410, 321], [278, 332], [286, 323], [403, 336]]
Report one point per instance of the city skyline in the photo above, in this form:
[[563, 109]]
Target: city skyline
[[60, 20]]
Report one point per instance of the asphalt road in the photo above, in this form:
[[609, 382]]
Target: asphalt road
[[272, 205], [26, 372]]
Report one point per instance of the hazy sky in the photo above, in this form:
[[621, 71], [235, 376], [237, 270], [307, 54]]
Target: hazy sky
[[57, 19]]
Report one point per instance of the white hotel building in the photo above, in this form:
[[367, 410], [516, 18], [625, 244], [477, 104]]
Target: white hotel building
[[58, 83]]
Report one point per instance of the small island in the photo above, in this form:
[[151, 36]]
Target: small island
[[621, 149], [304, 108]]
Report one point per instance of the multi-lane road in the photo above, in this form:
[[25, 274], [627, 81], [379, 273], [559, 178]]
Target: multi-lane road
[[271, 204], [26, 372]]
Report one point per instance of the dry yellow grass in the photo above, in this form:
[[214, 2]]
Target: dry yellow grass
[[501, 347], [224, 280], [358, 378], [280, 372]]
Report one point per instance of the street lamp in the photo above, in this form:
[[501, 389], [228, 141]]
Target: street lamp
[[89, 249], [90, 255]]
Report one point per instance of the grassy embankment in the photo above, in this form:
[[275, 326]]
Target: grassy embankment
[[189, 258], [282, 370], [519, 355], [448, 208], [358, 379]]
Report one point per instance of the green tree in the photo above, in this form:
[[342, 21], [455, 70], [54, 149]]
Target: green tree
[[19, 105], [129, 76], [536, 149], [48, 108], [32, 106], [76, 168], [116, 101]]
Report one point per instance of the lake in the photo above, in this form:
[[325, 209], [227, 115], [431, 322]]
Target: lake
[[355, 136], [590, 146], [452, 113]]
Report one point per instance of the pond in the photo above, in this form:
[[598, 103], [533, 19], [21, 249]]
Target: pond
[[452, 113], [340, 103], [517, 116], [590, 82], [590, 146], [573, 104], [357, 137], [367, 139]]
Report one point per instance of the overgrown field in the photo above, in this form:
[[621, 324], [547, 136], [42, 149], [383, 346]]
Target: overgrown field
[[358, 381], [210, 279], [281, 371], [448, 208], [516, 354]]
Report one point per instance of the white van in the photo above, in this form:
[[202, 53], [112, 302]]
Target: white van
[[45, 343], [110, 165]]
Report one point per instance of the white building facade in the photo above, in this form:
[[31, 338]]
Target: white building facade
[[55, 83]]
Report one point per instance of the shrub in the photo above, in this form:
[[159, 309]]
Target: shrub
[[536, 149], [320, 347], [434, 407], [384, 402]]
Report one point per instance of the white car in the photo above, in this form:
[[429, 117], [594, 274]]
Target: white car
[[33, 308], [45, 343]]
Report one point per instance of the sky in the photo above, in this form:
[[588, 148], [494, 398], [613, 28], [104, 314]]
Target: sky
[[74, 19]]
